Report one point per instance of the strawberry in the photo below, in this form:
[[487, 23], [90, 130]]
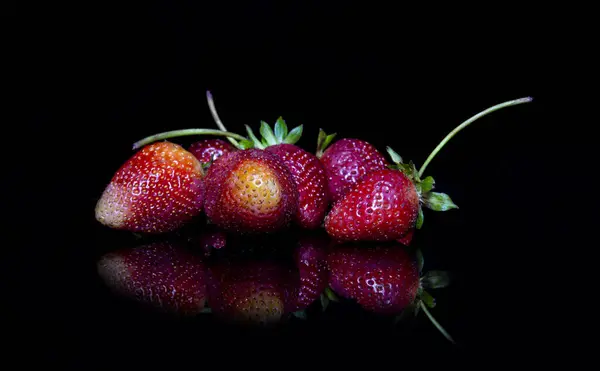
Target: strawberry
[[383, 206], [209, 150], [157, 190], [383, 279], [306, 169], [310, 257], [346, 162], [250, 191], [254, 292], [159, 274]]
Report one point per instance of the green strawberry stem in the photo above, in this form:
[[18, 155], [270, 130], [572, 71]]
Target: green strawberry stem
[[436, 323], [215, 115], [182, 133], [467, 123]]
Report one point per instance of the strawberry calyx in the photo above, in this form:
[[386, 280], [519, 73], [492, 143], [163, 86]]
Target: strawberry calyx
[[323, 141], [326, 297], [432, 200], [272, 137]]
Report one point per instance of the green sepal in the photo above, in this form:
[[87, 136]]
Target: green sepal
[[246, 144], [323, 140], [419, 223], [324, 302], [420, 260], [435, 280], [206, 310], [281, 130], [255, 141], [267, 134], [438, 201], [427, 298], [136, 235], [330, 294], [300, 314], [294, 135], [427, 184], [396, 158]]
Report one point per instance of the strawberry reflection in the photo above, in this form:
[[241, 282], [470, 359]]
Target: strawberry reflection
[[245, 281], [161, 274]]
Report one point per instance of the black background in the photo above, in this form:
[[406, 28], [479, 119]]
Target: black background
[[100, 76]]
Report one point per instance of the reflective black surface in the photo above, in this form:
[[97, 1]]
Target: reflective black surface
[[104, 77]]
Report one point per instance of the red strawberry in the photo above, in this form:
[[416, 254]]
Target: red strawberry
[[310, 257], [308, 173], [383, 279], [250, 191], [306, 169], [383, 206], [157, 190], [346, 162], [310, 180], [158, 274], [251, 292], [208, 150]]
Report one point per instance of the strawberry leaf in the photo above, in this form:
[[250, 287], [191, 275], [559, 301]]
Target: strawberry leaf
[[255, 141], [323, 140], [419, 218], [427, 184], [267, 134], [245, 144], [281, 130], [435, 280], [427, 299], [294, 135], [438, 201], [420, 260], [330, 294], [394, 155]]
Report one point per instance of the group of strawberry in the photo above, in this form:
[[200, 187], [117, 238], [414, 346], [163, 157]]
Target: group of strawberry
[[259, 186]]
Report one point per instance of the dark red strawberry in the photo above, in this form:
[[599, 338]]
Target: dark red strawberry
[[250, 191], [310, 257], [346, 161], [208, 150], [159, 274], [310, 180], [254, 292], [383, 206], [383, 279], [157, 190]]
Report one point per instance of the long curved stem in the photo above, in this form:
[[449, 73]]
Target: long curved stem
[[215, 115], [466, 123], [184, 132], [436, 323]]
